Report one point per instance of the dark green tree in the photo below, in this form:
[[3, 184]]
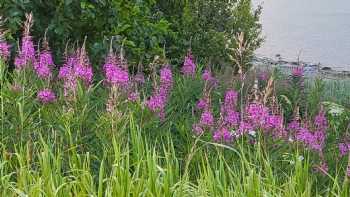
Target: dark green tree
[[145, 27]]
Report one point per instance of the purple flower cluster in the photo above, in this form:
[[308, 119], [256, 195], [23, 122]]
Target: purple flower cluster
[[313, 139], [209, 78], [222, 134], [203, 103], [156, 103], [206, 121], [84, 73], [275, 123], [66, 73], [43, 66], [293, 126], [26, 53], [230, 118], [231, 125], [321, 121], [136, 81], [244, 127], [115, 74], [228, 111], [257, 114], [261, 118], [46, 96], [207, 118], [344, 148], [4, 50], [197, 129], [139, 78], [166, 78], [298, 71], [310, 139], [231, 98], [133, 92], [189, 67], [133, 96], [77, 67]]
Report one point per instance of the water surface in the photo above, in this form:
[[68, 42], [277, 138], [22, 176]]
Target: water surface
[[316, 30]]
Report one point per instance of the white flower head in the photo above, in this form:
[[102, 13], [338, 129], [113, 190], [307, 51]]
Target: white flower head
[[290, 139], [252, 133]]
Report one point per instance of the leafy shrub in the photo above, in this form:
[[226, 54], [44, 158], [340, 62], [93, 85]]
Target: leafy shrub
[[207, 26], [142, 32], [144, 27]]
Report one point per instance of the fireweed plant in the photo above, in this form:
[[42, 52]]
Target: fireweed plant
[[77, 70], [4, 46], [167, 138], [116, 79], [161, 90]]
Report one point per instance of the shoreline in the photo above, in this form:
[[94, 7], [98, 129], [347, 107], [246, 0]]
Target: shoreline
[[311, 70]]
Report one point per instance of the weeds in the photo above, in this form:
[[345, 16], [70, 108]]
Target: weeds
[[182, 135]]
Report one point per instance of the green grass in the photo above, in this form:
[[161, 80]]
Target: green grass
[[338, 91], [78, 149]]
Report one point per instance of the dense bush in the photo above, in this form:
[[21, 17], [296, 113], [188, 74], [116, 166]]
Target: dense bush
[[144, 27], [208, 26], [142, 32]]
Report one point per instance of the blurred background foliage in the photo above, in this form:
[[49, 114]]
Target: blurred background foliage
[[146, 27]]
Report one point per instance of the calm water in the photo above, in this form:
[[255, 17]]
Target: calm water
[[317, 29]]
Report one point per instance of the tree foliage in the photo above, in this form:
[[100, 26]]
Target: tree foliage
[[145, 27]]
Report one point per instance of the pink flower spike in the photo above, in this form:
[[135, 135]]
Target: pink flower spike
[[46, 96], [189, 67], [343, 149], [4, 50], [197, 129], [222, 134], [207, 118], [133, 96], [232, 118], [257, 114], [115, 73], [206, 76], [321, 121], [166, 77], [203, 103], [231, 98], [298, 71], [217, 136], [26, 53], [44, 64]]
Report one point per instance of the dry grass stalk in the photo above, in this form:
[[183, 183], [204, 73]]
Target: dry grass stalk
[[28, 24], [268, 90], [240, 52], [2, 31]]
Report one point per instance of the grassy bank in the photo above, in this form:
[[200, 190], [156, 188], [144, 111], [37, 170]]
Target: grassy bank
[[162, 130], [77, 148]]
